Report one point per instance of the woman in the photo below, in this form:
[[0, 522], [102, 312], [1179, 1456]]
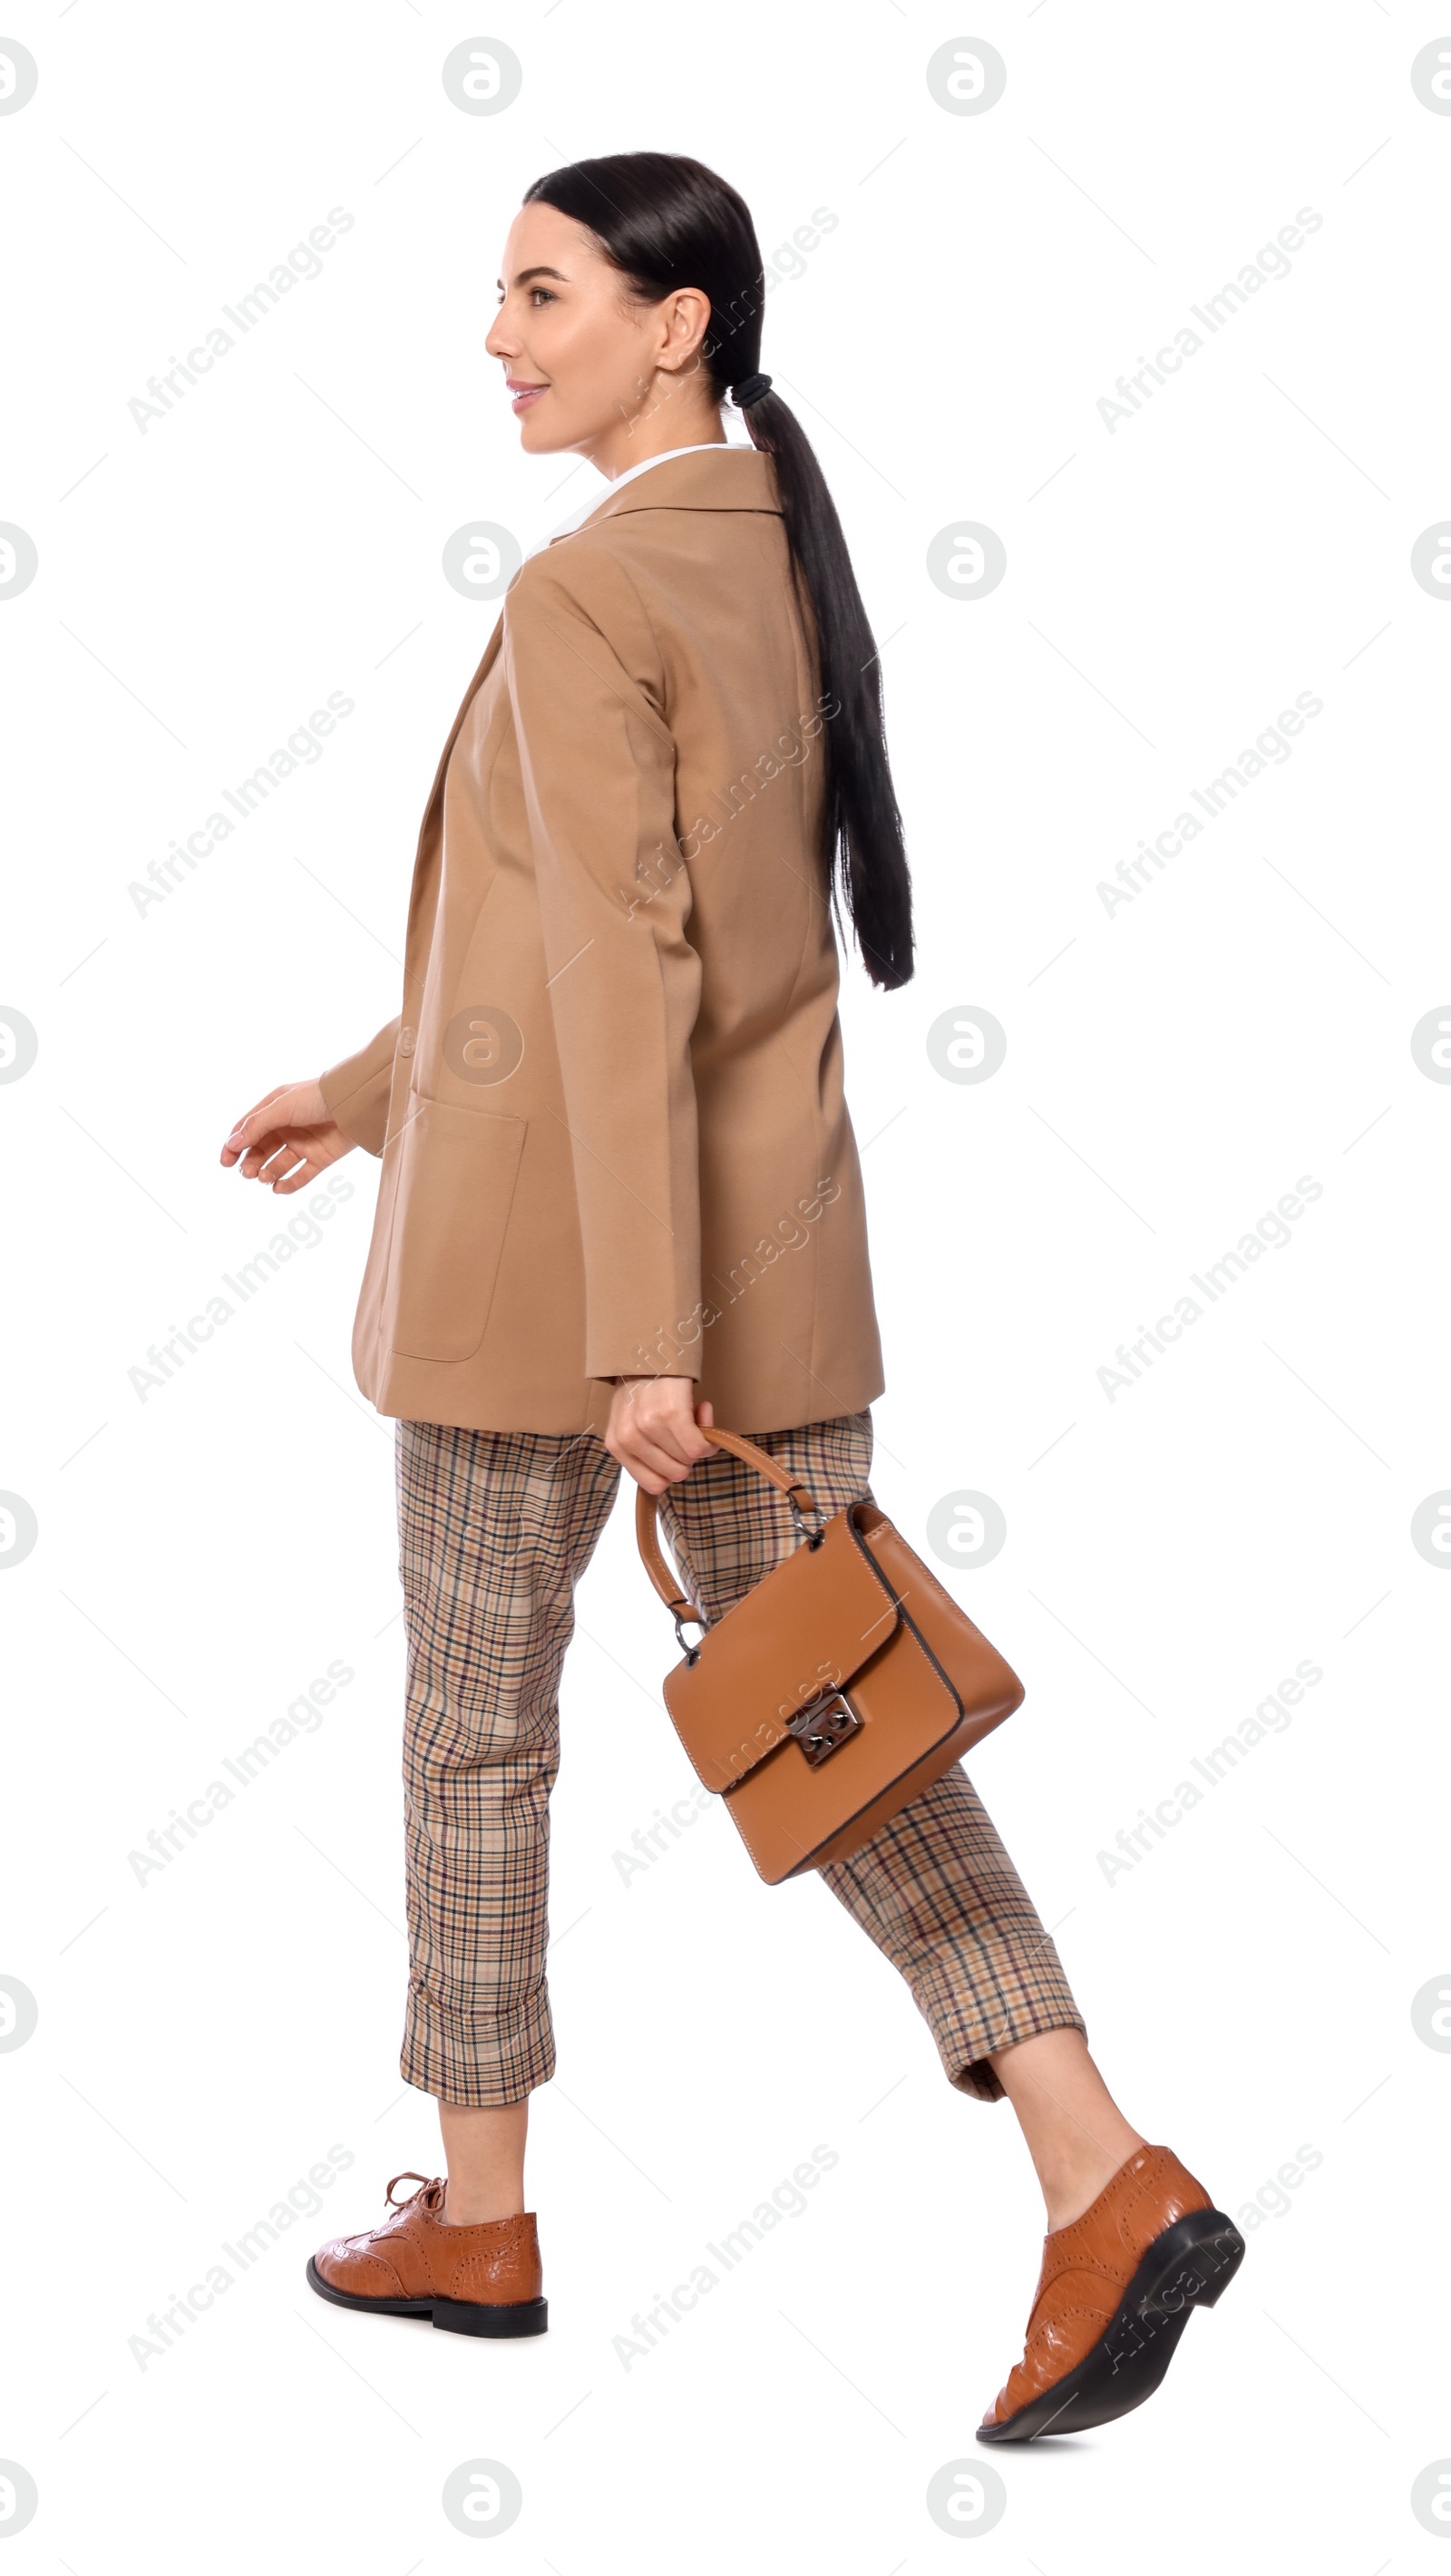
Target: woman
[[619, 1190]]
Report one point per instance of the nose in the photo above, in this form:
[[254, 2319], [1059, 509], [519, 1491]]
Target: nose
[[501, 342]]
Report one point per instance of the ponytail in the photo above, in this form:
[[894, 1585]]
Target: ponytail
[[863, 827], [667, 222]]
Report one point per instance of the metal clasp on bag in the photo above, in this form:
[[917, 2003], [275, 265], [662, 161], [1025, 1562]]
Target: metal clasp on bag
[[823, 1725], [813, 1537], [691, 1653]]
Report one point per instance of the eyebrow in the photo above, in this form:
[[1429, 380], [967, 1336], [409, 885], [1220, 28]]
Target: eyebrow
[[525, 274]]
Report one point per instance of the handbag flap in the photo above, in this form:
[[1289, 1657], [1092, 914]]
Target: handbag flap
[[983, 1679], [802, 1632]]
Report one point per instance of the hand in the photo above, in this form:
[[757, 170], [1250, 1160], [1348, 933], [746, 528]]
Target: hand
[[287, 1139], [653, 1432]]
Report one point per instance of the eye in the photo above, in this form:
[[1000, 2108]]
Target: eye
[[542, 295]]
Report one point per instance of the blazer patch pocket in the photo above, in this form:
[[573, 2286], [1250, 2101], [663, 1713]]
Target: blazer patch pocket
[[456, 1175]]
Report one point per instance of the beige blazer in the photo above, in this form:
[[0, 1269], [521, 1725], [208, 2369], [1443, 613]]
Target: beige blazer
[[610, 1111]]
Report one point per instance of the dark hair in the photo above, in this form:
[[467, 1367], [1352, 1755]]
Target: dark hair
[[666, 222]]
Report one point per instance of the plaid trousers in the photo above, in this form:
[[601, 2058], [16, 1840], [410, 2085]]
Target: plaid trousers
[[495, 1529]]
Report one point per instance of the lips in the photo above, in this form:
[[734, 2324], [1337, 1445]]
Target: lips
[[522, 394]]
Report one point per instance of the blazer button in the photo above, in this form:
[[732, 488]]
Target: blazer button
[[406, 1041]]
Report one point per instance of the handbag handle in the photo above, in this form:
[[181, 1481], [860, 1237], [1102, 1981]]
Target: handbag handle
[[798, 1495]]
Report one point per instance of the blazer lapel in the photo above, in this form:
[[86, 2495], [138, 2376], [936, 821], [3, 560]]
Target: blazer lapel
[[491, 655]]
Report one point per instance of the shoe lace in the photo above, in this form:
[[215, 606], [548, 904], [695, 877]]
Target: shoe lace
[[429, 2195]]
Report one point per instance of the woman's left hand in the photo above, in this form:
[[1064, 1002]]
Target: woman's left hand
[[654, 1430]]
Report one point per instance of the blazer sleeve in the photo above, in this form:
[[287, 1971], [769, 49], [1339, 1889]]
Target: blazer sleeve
[[356, 1089], [598, 768]]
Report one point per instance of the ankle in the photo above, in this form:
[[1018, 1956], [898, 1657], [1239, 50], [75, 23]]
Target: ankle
[[1073, 2186], [483, 2155], [479, 2208]]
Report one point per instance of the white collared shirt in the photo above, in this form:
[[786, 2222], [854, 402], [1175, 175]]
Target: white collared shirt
[[577, 517]]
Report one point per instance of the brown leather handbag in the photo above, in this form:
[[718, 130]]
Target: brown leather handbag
[[828, 1697]]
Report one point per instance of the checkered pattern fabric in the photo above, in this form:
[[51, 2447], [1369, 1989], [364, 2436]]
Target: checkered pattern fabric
[[495, 1530]]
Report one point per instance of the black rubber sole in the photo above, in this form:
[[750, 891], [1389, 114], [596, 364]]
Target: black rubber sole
[[1189, 2266], [451, 2316]]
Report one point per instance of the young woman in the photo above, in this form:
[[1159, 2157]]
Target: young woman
[[612, 1095]]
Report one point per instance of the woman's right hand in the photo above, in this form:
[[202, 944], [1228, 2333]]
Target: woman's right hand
[[287, 1139]]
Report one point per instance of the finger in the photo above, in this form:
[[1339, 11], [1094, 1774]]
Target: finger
[[682, 1439], [258, 1156], [281, 1164], [645, 1460], [623, 1452], [656, 1441], [250, 1131], [663, 1411], [252, 1155], [307, 1170], [243, 1127]]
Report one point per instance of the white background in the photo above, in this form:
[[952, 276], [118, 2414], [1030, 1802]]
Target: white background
[[1172, 1069]]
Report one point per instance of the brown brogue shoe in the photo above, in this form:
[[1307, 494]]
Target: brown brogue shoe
[[1113, 2298], [482, 2280]]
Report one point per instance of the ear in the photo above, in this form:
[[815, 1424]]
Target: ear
[[686, 318]]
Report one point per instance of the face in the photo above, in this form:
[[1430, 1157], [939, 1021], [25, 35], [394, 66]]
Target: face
[[587, 368]]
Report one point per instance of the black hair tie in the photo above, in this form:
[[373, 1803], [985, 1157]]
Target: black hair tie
[[749, 390]]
